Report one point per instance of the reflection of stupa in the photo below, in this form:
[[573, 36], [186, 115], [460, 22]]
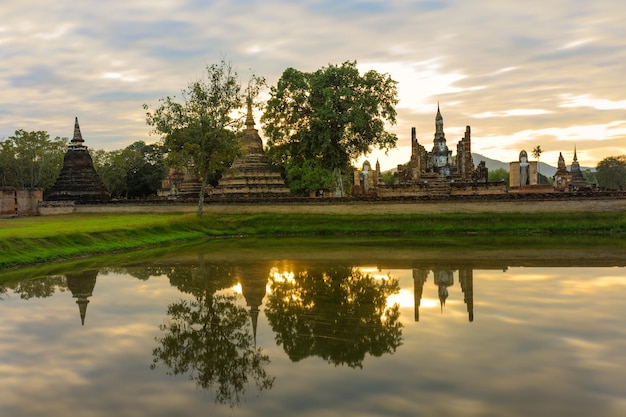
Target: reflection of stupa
[[253, 287], [81, 286]]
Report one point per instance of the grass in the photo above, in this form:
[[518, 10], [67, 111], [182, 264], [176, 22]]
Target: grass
[[30, 240]]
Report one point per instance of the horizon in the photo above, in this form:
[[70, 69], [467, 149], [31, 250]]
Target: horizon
[[519, 75]]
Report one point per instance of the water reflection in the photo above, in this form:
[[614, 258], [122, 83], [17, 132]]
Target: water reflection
[[363, 334], [444, 279], [337, 314]]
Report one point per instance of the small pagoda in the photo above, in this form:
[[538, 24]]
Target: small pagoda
[[78, 180], [251, 176]]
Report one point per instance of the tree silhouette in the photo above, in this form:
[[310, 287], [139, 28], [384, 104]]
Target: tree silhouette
[[339, 315], [209, 338]]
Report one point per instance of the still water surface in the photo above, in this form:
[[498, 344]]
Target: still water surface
[[355, 333]]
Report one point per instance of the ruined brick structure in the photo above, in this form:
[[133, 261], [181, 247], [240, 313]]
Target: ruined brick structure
[[78, 180], [438, 172], [251, 176], [19, 202], [523, 173], [572, 180]]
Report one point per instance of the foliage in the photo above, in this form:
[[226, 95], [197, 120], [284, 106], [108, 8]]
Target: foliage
[[387, 177], [134, 172], [590, 177], [308, 176], [611, 173], [31, 159], [199, 130], [499, 174], [337, 314], [329, 117], [209, 339]]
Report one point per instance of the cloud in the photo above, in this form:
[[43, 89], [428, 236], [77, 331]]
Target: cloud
[[503, 67]]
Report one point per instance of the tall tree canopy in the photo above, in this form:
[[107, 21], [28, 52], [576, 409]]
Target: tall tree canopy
[[31, 159], [611, 172], [327, 118], [200, 128]]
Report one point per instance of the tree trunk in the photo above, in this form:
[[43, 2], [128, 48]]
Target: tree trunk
[[205, 181]]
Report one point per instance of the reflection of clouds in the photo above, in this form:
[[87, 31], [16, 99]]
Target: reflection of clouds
[[588, 354], [555, 336]]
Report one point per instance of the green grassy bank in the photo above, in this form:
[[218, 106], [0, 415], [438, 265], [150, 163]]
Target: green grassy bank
[[31, 240]]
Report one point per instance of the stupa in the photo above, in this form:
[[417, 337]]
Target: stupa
[[251, 176], [578, 180], [78, 180]]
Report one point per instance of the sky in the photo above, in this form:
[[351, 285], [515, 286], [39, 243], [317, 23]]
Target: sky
[[545, 73]]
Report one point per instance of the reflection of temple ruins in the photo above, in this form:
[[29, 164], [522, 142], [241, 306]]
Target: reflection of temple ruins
[[78, 180], [435, 173], [444, 279]]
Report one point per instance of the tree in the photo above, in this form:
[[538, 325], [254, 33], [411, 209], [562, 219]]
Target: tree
[[537, 153], [31, 159], [611, 173], [499, 175], [329, 117], [133, 172], [200, 130]]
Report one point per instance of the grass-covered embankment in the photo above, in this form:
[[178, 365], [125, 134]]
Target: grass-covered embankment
[[41, 239]]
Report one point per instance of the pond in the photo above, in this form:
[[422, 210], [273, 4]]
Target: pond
[[329, 328]]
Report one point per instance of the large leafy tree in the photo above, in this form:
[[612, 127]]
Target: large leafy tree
[[327, 118], [31, 159], [611, 173], [199, 129]]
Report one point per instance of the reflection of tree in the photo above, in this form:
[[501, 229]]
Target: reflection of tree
[[39, 288], [339, 315], [209, 339]]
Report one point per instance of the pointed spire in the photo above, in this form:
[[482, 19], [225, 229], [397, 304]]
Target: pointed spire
[[438, 117], [78, 137], [575, 157], [82, 308], [249, 118], [254, 318]]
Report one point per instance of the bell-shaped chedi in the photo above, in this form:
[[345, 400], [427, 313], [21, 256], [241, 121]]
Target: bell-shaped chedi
[[78, 180], [251, 176]]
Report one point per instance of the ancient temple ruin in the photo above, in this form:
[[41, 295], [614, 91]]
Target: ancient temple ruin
[[523, 173], [572, 180], [78, 180], [251, 176], [434, 173]]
